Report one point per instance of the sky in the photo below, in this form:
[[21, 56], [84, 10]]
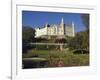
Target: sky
[[39, 19]]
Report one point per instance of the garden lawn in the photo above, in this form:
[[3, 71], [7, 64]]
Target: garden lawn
[[54, 56]]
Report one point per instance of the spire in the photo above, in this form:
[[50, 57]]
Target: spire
[[62, 26], [62, 21], [72, 24], [73, 27]]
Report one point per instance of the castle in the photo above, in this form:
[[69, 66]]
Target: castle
[[60, 30]]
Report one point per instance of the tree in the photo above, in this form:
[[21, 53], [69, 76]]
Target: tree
[[80, 41], [61, 42], [28, 34], [85, 19]]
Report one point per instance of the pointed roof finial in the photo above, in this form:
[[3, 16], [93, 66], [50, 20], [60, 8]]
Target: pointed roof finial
[[72, 23], [62, 21], [73, 27]]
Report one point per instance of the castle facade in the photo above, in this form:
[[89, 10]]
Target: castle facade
[[56, 30]]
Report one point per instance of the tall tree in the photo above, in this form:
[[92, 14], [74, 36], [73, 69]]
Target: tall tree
[[85, 19], [28, 34]]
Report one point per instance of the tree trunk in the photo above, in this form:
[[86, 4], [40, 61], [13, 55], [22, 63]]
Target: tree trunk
[[61, 47]]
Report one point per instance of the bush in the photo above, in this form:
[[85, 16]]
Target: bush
[[80, 51]]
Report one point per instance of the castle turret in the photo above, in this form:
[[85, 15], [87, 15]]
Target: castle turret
[[62, 26], [46, 27], [73, 29], [62, 21]]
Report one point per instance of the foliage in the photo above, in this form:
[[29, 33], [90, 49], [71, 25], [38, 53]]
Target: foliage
[[41, 40], [80, 41], [62, 40], [85, 19], [54, 56], [28, 34], [81, 51]]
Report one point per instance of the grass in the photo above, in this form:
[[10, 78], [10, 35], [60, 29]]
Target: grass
[[54, 56]]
